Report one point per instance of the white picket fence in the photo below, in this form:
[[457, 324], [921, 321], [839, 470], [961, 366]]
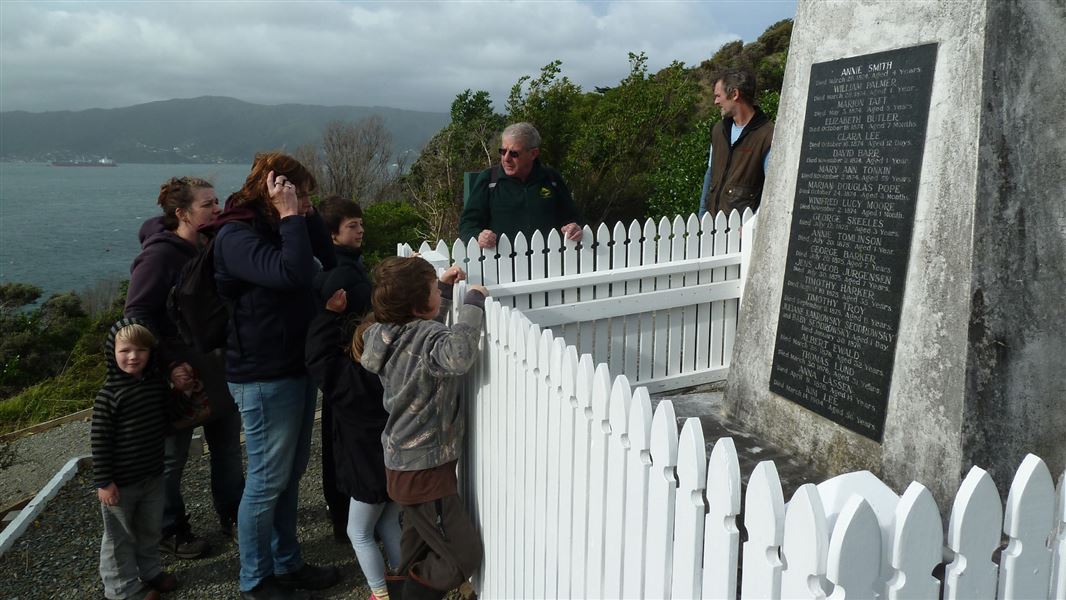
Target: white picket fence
[[582, 491], [657, 301]]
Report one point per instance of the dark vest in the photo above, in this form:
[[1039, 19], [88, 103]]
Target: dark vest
[[737, 170]]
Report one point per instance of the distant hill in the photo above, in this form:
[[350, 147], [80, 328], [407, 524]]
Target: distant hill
[[208, 129]]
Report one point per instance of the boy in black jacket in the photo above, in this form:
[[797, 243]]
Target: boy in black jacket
[[128, 427], [343, 219]]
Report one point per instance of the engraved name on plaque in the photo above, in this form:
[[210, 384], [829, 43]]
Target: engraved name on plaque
[[852, 221]]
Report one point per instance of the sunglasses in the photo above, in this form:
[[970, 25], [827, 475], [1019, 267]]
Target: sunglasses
[[511, 153]]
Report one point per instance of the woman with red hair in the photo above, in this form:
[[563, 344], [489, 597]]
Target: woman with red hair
[[265, 249]]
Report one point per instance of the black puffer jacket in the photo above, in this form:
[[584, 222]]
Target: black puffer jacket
[[349, 274], [266, 268], [355, 395]]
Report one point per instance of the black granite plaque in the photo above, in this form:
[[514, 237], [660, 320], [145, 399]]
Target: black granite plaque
[[852, 221]]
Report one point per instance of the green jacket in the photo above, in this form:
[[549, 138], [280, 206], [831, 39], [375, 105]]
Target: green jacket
[[542, 202]]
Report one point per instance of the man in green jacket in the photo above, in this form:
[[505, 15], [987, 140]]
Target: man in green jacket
[[519, 194]]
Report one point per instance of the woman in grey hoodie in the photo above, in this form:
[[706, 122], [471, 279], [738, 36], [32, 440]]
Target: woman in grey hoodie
[[419, 360]]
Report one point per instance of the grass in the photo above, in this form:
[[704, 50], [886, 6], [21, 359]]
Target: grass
[[72, 390]]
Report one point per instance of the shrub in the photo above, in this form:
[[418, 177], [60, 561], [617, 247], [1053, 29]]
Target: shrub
[[388, 224]]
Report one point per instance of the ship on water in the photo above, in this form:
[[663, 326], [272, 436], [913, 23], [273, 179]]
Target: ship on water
[[103, 162]]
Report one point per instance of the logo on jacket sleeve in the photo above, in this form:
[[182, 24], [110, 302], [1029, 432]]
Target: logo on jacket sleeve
[[545, 192]]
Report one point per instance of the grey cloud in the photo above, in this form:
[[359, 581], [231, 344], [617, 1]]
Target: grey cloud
[[57, 56]]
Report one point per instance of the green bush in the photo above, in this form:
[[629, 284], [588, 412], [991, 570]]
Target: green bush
[[81, 371], [388, 224], [678, 179]]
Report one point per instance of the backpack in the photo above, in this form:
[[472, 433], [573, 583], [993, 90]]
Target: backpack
[[201, 314]]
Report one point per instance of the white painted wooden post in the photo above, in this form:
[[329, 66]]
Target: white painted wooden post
[[717, 341], [662, 492], [475, 259], [805, 545], [521, 268], [764, 519], [973, 534], [1028, 522], [917, 546], [689, 511], [601, 429], [854, 560], [721, 538], [677, 281], [547, 340], [647, 344], [551, 529], [633, 335], [692, 250], [537, 266], [582, 475], [568, 468], [614, 514], [494, 547], [601, 261], [638, 462], [506, 449], [570, 261], [604, 262], [553, 243], [703, 310], [588, 330], [662, 318], [505, 266], [532, 456]]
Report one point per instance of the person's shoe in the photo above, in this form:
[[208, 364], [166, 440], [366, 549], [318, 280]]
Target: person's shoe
[[310, 577], [163, 582], [184, 545], [228, 529], [270, 589]]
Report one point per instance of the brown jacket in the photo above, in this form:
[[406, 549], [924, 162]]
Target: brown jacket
[[737, 171]]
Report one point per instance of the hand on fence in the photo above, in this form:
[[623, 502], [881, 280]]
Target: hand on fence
[[338, 302], [452, 274], [479, 288], [571, 231], [486, 239]]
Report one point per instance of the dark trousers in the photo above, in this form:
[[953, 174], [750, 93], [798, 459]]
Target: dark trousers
[[336, 500], [440, 547], [223, 437]]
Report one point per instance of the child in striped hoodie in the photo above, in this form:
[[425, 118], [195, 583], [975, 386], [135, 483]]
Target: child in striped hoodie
[[128, 427]]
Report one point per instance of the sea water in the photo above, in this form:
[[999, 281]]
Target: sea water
[[67, 228]]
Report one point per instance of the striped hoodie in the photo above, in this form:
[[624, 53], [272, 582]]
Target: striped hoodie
[[129, 421]]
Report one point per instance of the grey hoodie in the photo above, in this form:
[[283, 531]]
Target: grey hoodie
[[419, 364]]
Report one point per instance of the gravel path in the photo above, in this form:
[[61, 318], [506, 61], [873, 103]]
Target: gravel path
[[58, 556], [39, 456]]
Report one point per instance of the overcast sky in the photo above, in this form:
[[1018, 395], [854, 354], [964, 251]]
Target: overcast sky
[[413, 55]]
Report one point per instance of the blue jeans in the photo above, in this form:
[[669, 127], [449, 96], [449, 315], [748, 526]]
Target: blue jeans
[[223, 437], [277, 417]]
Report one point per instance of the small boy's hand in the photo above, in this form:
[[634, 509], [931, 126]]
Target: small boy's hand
[[182, 377], [452, 274], [338, 301], [108, 495], [480, 288]]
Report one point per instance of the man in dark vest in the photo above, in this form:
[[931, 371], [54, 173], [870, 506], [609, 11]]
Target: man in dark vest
[[740, 147], [519, 194]]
